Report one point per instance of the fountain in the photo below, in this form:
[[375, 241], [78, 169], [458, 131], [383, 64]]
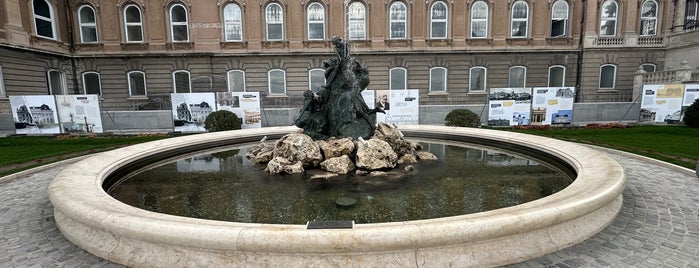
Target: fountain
[[89, 217]]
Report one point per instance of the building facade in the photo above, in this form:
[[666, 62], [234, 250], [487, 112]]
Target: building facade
[[135, 52]]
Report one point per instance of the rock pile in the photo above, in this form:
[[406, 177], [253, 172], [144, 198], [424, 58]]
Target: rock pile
[[297, 152]]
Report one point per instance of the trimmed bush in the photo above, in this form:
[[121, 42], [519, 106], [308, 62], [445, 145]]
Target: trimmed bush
[[691, 115], [462, 118], [221, 121]]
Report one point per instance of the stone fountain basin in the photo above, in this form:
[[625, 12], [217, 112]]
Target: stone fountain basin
[[110, 229]]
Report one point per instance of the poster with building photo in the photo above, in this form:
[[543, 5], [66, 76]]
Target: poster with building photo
[[246, 105], [402, 107], [552, 105], [189, 110], [509, 106], [691, 93], [79, 114], [661, 103], [34, 114]]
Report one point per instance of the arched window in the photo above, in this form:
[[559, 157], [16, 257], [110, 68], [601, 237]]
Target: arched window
[[438, 20], [607, 76], [517, 77], [520, 19], [648, 67], [478, 78], [179, 24], [88, 24], [557, 75], [236, 81], [44, 20], [316, 79], [133, 25], [3, 93], [559, 19], [479, 20], [181, 82], [398, 20], [137, 83], [608, 18], [649, 18], [438, 79], [277, 82], [57, 82], [274, 18], [398, 78], [232, 23], [357, 21], [91, 83], [316, 21]]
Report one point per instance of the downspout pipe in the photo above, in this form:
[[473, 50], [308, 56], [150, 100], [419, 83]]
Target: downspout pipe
[[578, 69], [71, 45]]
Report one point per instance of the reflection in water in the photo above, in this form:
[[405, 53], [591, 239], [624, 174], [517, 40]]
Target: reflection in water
[[226, 186]]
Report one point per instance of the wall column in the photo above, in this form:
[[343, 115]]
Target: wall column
[[13, 29], [680, 9], [638, 82]]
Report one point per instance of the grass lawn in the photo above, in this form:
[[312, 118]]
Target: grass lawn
[[675, 144], [23, 152]]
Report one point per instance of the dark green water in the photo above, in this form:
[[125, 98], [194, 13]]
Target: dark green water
[[226, 186]]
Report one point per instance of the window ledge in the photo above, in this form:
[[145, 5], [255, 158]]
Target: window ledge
[[563, 40], [479, 41], [134, 46], [234, 45], [477, 92], [275, 44], [137, 98], [179, 45], [519, 40], [439, 42], [610, 90], [316, 43], [277, 96], [438, 93]]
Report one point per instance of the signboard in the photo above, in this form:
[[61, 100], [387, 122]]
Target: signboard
[[246, 105], [691, 93], [509, 106], [35, 114], [661, 103], [79, 113], [552, 105], [189, 110], [402, 107]]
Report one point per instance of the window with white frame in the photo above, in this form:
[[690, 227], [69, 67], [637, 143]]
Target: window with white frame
[[277, 82], [648, 67], [607, 76], [649, 17], [316, 79], [3, 93], [479, 20], [398, 20], [316, 21], [477, 79], [438, 79], [520, 19], [236, 81], [179, 24], [274, 18], [557, 76], [398, 78], [133, 25], [137, 83], [438, 20], [517, 77], [44, 20], [57, 82], [357, 21], [88, 24], [559, 19], [608, 18], [232, 23], [181, 82], [91, 83], [691, 15]]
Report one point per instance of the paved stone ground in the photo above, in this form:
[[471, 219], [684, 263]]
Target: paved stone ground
[[658, 225]]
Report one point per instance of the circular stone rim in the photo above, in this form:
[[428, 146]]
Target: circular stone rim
[[108, 228]]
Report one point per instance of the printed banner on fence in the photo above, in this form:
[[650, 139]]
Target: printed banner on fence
[[691, 94], [246, 105], [661, 103], [35, 114], [189, 110], [79, 113], [552, 105], [402, 107], [509, 106]]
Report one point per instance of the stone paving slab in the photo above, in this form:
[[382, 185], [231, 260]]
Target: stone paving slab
[[658, 225]]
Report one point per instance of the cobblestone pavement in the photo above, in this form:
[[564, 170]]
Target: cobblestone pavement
[[658, 225]]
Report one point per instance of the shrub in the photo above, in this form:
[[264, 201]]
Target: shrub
[[462, 118], [691, 115], [222, 120]]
